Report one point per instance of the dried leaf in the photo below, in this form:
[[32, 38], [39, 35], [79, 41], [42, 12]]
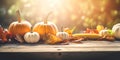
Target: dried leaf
[[78, 41], [19, 38], [53, 39]]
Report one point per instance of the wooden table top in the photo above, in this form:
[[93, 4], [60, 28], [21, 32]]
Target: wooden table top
[[85, 46]]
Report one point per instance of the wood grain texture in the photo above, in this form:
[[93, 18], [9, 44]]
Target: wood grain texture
[[85, 46]]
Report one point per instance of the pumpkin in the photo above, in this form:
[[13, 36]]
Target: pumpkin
[[63, 35], [116, 30], [32, 37], [19, 27], [45, 28]]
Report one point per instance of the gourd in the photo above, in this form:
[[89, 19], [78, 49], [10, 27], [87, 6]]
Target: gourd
[[32, 37], [62, 35], [19, 27], [45, 28], [116, 30]]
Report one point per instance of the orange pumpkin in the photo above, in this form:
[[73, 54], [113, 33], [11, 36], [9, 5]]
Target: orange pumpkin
[[45, 28], [19, 27]]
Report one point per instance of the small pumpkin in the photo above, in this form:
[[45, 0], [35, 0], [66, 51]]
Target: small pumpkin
[[45, 28], [116, 30], [32, 37], [63, 35], [19, 27]]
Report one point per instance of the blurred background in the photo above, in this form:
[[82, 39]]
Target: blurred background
[[67, 13]]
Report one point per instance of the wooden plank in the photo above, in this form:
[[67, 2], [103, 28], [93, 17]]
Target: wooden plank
[[86, 46]]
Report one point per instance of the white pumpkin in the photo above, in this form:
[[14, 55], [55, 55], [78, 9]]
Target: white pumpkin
[[62, 35], [105, 33], [116, 30], [32, 37]]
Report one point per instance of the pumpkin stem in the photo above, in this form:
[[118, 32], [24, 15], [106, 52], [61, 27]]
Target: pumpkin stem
[[18, 15], [45, 20]]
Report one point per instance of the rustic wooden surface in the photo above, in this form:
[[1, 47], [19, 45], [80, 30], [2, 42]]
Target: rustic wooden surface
[[85, 46]]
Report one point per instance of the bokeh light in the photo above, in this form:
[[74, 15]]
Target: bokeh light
[[68, 13]]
